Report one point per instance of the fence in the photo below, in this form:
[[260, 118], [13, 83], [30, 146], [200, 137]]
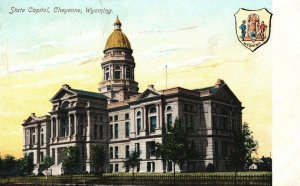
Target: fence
[[168, 179]]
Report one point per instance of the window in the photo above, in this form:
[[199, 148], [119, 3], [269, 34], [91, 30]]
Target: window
[[192, 121], [138, 113], [191, 108], [152, 148], [111, 152], [101, 132], [148, 166], [138, 126], [111, 131], [111, 167], [152, 110], [127, 151], [95, 131], [42, 139], [152, 124], [138, 168], [169, 108], [126, 116], [127, 168], [224, 148], [128, 73], [116, 152], [126, 129], [223, 123], [106, 73], [110, 118], [116, 131], [137, 148], [117, 73], [41, 156], [169, 121], [216, 149], [214, 122], [116, 117], [186, 107]]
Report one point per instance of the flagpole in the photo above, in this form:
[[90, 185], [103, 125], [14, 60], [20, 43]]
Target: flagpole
[[166, 76]]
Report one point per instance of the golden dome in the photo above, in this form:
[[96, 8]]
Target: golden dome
[[117, 39]]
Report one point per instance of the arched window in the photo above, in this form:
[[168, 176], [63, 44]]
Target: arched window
[[117, 72], [138, 122], [169, 108], [152, 110]]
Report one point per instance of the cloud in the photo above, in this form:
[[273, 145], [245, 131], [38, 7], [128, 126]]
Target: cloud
[[46, 82], [173, 30], [48, 62], [161, 51], [47, 44], [192, 62]]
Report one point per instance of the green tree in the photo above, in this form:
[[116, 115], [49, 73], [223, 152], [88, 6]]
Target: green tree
[[26, 164], [174, 146], [132, 161], [9, 165], [97, 157], [71, 160], [244, 145], [46, 164]]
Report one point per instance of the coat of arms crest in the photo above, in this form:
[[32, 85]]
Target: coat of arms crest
[[253, 27]]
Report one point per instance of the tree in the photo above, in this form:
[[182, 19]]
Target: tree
[[97, 157], [9, 165], [71, 160], [244, 145], [26, 165], [132, 161], [174, 146], [47, 162]]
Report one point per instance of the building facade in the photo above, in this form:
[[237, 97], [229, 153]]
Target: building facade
[[122, 120]]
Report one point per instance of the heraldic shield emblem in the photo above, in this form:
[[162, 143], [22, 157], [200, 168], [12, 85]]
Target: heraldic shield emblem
[[253, 27]]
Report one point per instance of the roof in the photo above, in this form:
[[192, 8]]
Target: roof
[[211, 89], [90, 94], [117, 39]]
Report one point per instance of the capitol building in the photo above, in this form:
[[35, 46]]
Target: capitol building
[[121, 118]]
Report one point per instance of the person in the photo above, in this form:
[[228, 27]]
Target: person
[[262, 29], [243, 29]]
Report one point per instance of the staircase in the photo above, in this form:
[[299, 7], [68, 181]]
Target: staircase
[[55, 169]]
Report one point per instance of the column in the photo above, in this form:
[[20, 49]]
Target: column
[[88, 127], [111, 75], [24, 136], [69, 119], [51, 128], [57, 126], [144, 115], [158, 110], [36, 135], [75, 124]]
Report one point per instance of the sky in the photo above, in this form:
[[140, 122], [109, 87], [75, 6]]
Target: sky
[[196, 39]]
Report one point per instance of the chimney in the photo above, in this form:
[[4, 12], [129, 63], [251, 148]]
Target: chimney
[[151, 86], [219, 83], [66, 86]]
